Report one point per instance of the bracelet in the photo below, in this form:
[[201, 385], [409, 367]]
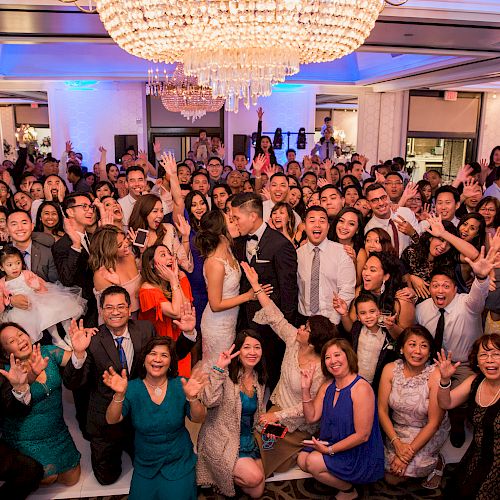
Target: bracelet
[[185, 241], [447, 386], [22, 391], [175, 288], [307, 401], [330, 450], [218, 369], [258, 291], [394, 438], [117, 401]]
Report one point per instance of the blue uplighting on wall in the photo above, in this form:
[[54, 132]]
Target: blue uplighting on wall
[[81, 84]]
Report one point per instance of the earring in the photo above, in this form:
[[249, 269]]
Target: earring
[[382, 288]]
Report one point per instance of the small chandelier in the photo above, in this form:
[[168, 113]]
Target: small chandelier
[[239, 48], [182, 94]]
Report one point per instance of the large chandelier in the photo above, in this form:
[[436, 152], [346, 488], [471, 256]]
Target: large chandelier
[[182, 94], [239, 48]]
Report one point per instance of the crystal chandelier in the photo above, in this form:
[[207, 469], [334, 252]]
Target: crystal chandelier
[[239, 48], [182, 94]]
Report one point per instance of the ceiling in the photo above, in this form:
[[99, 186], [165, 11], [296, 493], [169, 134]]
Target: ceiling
[[424, 44]]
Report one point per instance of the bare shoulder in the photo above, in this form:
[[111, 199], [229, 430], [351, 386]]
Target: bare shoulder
[[362, 390]]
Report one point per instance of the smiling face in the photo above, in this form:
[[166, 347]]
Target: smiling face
[[27, 183], [265, 144], [372, 242], [23, 201], [113, 173], [294, 169], [442, 290], [310, 181], [332, 201], [198, 207], [36, 191], [250, 352], [157, 362], [415, 203], [19, 227], [446, 206], [488, 361], [438, 247], [294, 196], [279, 218], [347, 226], [469, 229], [15, 341], [115, 311], [368, 313], [336, 361], [136, 183], [488, 211], [434, 180], [373, 275], [316, 227], [379, 203], [184, 174], [115, 207], [83, 213], [123, 246], [49, 216], [234, 180], [416, 351], [103, 191], [155, 217], [278, 188], [363, 206], [214, 168], [12, 266]]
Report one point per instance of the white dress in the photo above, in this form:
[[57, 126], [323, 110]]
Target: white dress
[[218, 329], [47, 308]]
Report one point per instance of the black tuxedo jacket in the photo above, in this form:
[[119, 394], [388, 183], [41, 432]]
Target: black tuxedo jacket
[[73, 270], [101, 354], [276, 265]]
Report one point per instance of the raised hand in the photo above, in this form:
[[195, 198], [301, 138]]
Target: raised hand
[[61, 192], [167, 161], [80, 337], [117, 383], [340, 305], [183, 227], [187, 318], [70, 230], [37, 362], [404, 226], [221, 151], [69, 146], [258, 164], [251, 274], [225, 357], [260, 113], [379, 178], [363, 159], [411, 190], [322, 182], [420, 286], [306, 376], [426, 211], [195, 383], [17, 375], [102, 150], [436, 227], [445, 365], [483, 265], [265, 193], [47, 192], [463, 174], [307, 162]]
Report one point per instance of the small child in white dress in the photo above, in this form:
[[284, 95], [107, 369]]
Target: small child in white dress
[[49, 303]]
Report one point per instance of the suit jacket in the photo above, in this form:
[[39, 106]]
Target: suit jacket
[[276, 264], [42, 262], [73, 269], [9, 405], [101, 354]]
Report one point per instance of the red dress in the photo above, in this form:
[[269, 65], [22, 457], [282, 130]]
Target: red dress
[[151, 300]]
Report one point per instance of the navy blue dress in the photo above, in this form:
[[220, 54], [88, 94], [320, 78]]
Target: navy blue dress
[[363, 463], [197, 282]]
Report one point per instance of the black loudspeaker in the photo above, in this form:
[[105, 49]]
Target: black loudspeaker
[[278, 139], [301, 138], [122, 142], [241, 144]]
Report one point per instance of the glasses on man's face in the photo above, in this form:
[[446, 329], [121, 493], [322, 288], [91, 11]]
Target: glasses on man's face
[[484, 356], [85, 207], [119, 308], [213, 165], [382, 199], [393, 183]]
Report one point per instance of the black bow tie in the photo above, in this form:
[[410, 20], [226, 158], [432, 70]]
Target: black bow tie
[[252, 237]]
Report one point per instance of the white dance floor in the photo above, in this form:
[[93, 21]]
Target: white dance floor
[[89, 487]]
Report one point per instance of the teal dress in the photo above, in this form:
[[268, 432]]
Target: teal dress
[[248, 446], [43, 434], [164, 461]]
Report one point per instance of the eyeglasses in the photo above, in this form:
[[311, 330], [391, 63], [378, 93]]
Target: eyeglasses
[[484, 356], [487, 210], [119, 308], [394, 183], [214, 165], [378, 200], [85, 207]]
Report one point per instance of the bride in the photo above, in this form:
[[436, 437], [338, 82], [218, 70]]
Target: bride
[[222, 276]]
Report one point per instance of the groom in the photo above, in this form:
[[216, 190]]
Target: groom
[[274, 258]]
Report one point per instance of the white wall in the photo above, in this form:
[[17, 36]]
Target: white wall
[[288, 107], [489, 135], [91, 117], [346, 120]]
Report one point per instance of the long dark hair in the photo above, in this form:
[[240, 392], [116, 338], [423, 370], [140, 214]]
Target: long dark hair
[[384, 240], [480, 238], [173, 370], [300, 208], [59, 227], [148, 273], [358, 238], [235, 366], [260, 151], [188, 203], [212, 227], [492, 154]]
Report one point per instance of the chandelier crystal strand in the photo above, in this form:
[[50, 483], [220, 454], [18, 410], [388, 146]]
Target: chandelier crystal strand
[[239, 48]]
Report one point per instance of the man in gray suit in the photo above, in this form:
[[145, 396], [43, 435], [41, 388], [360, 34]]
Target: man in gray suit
[[35, 247]]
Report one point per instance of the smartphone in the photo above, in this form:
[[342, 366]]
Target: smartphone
[[140, 238], [276, 430], [309, 442]]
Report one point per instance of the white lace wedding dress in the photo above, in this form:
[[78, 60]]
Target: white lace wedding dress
[[218, 329]]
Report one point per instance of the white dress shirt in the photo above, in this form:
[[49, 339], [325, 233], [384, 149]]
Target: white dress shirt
[[462, 319], [29, 253], [369, 346], [405, 213], [268, 205], [252, 245], [336, 275], [127, 203]]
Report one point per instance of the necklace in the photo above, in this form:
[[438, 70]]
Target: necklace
[[479, 395], [158, 389]]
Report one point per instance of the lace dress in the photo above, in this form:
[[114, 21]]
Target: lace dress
[[409, 402], [218, 329]]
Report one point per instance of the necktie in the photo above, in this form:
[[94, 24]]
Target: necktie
[[438, 338], [121, 353], [395, 234], [314, 299]]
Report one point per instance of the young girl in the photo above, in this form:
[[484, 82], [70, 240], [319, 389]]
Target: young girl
[[48, 304]]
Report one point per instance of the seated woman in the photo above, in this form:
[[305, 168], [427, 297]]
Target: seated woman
[[113, 263], [42, 434], [369, 335], [349, 449], [163, 291], [382, 277], [439, 247], [478, 473], [227, 451], [158, 403], [415, 426], [303, 349]]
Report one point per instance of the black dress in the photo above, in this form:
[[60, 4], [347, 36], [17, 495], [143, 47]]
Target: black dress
[[478, 473]]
